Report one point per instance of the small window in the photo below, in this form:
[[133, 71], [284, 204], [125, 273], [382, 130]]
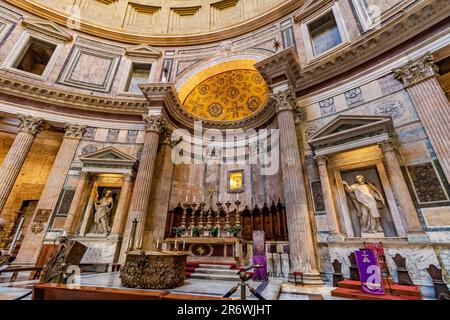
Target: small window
[[324, 33], [140, 73], [35, 56]]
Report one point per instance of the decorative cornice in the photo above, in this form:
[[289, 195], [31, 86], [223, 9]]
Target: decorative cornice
[[143, 51], [63, 98], [31, 125], [414, 20], [283, 66], [417, 71], [74, 131]]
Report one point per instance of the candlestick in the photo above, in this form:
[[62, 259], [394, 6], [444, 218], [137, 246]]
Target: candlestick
[[176, 244], [157, 244], [186, 198], [194, 199], [184, 244]]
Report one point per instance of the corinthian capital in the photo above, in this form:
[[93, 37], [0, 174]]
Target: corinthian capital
[[74, 131], [321, 160], [166, 136], [285, 100], [31, 125], [417, 71], [386, 146], [155, 123]]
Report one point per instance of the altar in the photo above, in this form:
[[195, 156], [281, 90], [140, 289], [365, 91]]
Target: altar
[[207, 249]]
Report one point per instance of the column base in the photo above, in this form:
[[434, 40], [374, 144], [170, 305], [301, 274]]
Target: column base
[[312, 279], [418, 237]]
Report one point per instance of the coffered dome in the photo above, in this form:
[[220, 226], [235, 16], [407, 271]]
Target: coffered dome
[[162, 22]]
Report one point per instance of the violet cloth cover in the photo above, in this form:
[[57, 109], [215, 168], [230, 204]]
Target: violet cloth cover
[[260, 274], [369, 272]]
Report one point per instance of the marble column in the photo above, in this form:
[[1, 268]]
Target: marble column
[[140, 199], [74, 215], [13, 162], [400, 188], [333, 223], [431, 105], [121, 211], [301, 240], [160, 197], [29, 250]]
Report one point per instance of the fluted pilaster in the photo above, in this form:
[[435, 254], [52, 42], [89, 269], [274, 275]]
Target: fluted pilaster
[[13, 162], [141, 196], [431, 105], [74, 215], [29, 250], [121, 211], [401, 189], [299, 226], [333, 224]]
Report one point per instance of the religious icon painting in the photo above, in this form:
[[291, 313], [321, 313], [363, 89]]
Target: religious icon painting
[[236, 181]]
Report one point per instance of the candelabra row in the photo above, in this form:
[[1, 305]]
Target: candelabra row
[[187, 229]]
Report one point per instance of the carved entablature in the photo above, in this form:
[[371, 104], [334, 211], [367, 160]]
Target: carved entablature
[[417, 71], [349, 132], [31, 125], [74, 131]]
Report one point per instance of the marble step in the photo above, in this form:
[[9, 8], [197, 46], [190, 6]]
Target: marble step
[[214, 266], [210, 276], [216, 271]]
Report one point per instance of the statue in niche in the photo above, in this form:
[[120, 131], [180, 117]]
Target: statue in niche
[[103, 209], [367, 200]]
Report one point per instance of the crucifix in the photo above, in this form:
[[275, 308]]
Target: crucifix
[[195, 105], [366, 257], [235, 109]]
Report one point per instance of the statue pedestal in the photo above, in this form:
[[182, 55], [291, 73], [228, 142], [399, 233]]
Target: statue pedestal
[[377, 235], [154, 269]]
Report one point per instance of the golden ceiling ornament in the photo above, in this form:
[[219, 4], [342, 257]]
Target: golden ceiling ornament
[[228, 96]]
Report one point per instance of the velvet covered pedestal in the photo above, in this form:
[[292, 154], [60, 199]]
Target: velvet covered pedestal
[[260, 274]]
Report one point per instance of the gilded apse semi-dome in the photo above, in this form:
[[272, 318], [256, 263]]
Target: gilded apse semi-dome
[[162, 22]]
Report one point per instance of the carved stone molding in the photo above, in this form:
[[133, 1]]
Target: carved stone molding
[[417, 71], [74, 131], [321, 160], [31, 125], [155, 123], [284, 101]]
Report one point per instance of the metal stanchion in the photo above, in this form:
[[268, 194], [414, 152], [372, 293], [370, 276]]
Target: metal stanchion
[[243, 284]]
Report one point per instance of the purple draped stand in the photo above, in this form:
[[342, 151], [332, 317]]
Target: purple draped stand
[[260, 274]]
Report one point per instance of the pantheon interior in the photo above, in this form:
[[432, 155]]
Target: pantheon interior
[[170, 149]]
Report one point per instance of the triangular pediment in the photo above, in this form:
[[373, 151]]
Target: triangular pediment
[[108, 156], [345, 127], [143, 51], [308, 7], [48, 28]]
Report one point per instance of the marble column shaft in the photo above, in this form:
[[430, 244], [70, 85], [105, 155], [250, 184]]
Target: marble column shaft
[[15, 158], [431, 105], [74, 215], [141, 195], [121, 211], [328, 195], [299, 226], [400, 188], [29, 250]]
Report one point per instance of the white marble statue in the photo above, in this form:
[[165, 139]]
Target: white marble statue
[[367, 200], [103, 209]]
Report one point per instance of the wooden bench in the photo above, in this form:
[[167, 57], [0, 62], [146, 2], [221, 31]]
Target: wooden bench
[[53, 291], [15, 272]]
